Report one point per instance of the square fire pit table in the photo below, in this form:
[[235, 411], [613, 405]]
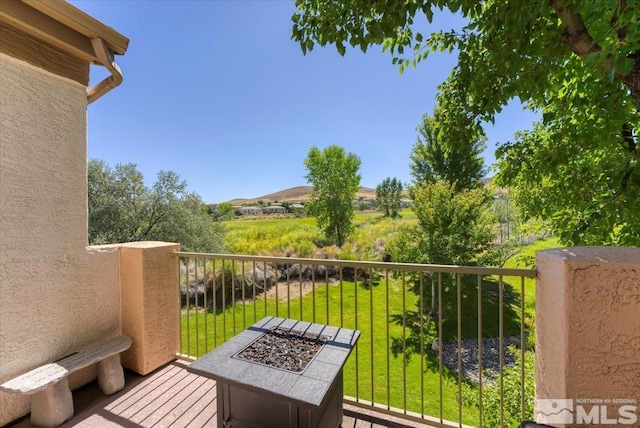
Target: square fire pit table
[[279, 373]]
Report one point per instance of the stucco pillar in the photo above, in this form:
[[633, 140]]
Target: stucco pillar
[[588, 336], [150, 304]]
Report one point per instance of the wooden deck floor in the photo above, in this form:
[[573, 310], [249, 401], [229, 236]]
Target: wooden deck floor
[[173, 397]]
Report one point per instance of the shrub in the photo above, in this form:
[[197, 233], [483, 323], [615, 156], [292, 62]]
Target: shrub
[[303, 248], [512, 398]]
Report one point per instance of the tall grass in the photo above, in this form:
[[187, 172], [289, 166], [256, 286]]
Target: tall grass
[[302, 236], [271, 236]]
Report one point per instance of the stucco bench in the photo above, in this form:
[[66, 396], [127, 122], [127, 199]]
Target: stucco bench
[[52, 403]]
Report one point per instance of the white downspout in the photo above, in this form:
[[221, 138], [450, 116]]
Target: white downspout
[[105, 58]]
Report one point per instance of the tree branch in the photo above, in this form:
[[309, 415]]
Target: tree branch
[[577, 37], [575, 33], [628, 140], [622, 31]]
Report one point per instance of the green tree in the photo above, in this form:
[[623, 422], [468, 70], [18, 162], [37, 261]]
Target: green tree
[[335, 180], [389, 196], [452, 227], [449, 153], [225, 210], [576, 62], [123, 209], [584, 202]]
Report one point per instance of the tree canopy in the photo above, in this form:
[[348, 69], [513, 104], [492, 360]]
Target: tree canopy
[[452, 228], [389, 196], [578, 63], [123, 209], [450, 155], [335, 180], [225, 210]]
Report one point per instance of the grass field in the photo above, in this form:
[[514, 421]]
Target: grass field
[[261, 237], [276, 236]]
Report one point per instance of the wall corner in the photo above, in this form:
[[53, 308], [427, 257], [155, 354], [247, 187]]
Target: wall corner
[[150, 304]]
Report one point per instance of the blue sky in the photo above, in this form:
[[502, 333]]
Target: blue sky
[[219, 93]]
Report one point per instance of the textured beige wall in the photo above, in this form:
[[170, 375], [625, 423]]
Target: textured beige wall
[[55, 293], [150, 304], [588, 324]]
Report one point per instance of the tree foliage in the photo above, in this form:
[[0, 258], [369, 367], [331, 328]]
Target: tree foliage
[[389, 196], [452, 155], [453, 228], [123, 209], [576, 62], [335, 180], [225, 210], [591, 195]]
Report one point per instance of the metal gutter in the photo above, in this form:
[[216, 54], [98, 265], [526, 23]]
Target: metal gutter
[[105, 58], [69, 29]]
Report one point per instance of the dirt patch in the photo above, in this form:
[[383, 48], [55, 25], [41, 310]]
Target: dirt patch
[[296, 289]]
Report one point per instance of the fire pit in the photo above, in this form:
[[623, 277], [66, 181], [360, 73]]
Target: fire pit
[[284, 349], [280, 373]]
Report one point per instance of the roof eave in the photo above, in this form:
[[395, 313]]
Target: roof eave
[[62, 25]]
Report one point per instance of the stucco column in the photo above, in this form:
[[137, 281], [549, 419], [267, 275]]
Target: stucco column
[[588, 336], [150, 304]]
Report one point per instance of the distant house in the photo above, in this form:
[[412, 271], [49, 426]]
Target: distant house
[[296, 207], [405, 203], [250, 210], [275, 209]]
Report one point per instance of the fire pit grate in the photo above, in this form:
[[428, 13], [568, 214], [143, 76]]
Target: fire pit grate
[[283, 349]]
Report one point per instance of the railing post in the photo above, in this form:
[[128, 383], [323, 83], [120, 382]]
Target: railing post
[[150, 307], [588, 336]]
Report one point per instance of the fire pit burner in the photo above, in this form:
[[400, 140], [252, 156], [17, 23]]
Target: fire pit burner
[[284, 349]]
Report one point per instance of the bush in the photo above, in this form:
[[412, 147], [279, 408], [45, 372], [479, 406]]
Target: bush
[[511, 393], [303, 248]]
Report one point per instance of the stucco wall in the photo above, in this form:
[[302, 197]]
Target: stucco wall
[[150, 306], [588, 326], [55, 293]]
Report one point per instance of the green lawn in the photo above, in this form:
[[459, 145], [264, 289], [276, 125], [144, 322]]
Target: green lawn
[[526, 258], [355, 307], [374, 372]]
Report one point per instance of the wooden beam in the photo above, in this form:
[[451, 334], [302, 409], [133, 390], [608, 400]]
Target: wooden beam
[[85, 24], [39, 25]]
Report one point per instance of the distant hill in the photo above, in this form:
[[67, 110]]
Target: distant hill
[[301, 194], [295, 194]]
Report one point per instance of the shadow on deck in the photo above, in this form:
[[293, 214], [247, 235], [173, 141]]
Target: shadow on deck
[[173, 397]]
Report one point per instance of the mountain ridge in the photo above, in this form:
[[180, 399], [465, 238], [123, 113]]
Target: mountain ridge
[[295, 194]]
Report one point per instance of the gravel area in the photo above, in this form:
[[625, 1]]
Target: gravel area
[[283, 349], [490, 356]]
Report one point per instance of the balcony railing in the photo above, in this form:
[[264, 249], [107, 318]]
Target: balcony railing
[[417, 355]]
